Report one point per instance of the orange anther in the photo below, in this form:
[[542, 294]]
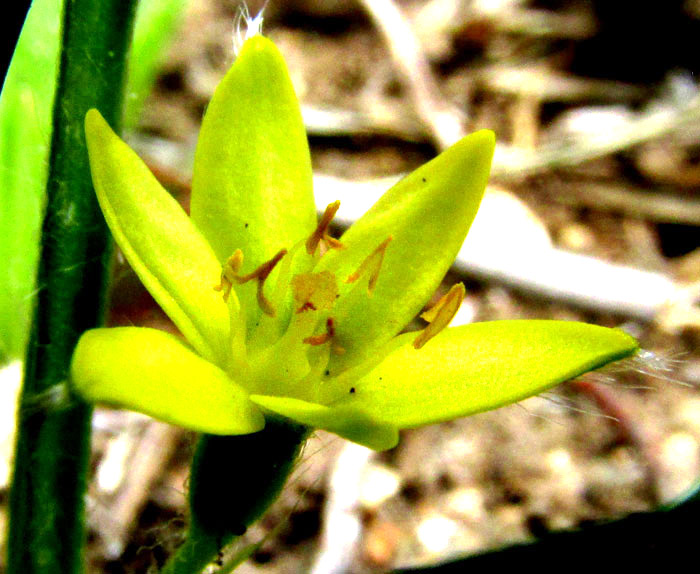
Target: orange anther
[[440, 315], [371, 265], [321, 231], [229, 275], [323, 337], [261, 273]]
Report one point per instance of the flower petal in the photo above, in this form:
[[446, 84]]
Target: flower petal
[[347, 421], [252, 186], [427, 214], [153, 372], [482, 366], [165, 249]]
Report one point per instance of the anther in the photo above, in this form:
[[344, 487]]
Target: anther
[[321, 232], [371, 265], [229, 272], [230, 275], [323, 337], [440, 315]]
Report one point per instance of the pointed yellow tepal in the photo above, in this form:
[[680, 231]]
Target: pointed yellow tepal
[[427, 215], [173, 260], [252, 181]]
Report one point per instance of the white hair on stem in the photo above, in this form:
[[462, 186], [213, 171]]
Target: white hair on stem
[[246, 26]]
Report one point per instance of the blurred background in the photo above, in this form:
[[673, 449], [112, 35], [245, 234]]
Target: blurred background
[[592, 214]]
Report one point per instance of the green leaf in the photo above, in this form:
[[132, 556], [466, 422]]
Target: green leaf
[[427, 214], [478, 367], [25, 132], [347, 421], [163, 246], [156, 21], [153, 372], [252, 186]]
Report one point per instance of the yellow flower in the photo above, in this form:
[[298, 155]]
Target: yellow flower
[[281, 318]]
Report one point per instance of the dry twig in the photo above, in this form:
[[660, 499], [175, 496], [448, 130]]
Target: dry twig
[[342, 525], [141, 456], [444, 122]]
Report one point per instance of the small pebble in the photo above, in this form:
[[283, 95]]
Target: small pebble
[[509, 520], [435, 533], [576, 237], [112, 468], [679, 457], [688, 414], [378, 484], [467, 503], [381, 540], [568, 483]]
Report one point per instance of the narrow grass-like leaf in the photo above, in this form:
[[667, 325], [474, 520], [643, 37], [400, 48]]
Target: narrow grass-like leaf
[[155, 24], [25, 132]]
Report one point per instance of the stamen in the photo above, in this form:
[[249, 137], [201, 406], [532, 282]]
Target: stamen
[[323, 337], [229, 272], [372, 265], [229, 275], [321, 231], [225, 286], [440, 315]]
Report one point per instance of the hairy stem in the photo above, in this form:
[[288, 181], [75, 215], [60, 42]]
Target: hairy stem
[[47, 498]]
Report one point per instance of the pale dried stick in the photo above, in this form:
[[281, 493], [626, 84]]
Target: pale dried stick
[[342, 524], [508, 163], [444, 121], [511, 162], [552, 85], [444, 18], [652, 205], [148, 453]]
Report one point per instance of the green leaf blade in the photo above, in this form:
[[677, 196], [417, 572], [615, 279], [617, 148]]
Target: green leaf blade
[[25, 132], [482, 366], [154, 27], [153, 372]]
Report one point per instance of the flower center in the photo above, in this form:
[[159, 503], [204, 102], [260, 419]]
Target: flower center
[[287, 350]]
